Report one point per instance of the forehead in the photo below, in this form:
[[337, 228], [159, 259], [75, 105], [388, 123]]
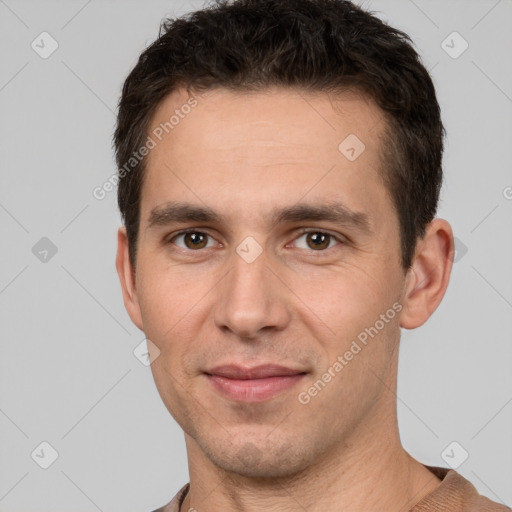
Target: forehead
[[264, 146], [223, 119]]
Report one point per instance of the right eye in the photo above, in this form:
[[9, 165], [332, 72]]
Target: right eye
[[192, 240]]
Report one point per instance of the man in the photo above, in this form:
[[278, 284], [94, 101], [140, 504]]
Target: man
[[279, 173]]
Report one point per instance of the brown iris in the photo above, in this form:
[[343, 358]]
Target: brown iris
[[197, 240], [319, 240]]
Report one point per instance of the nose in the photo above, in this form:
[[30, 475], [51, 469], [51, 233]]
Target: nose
[[252, 298]]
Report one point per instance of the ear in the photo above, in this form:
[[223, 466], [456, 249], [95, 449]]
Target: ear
[[427, 278], [126, 275]]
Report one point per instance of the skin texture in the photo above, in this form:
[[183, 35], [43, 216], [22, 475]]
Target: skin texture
[[244, 155]]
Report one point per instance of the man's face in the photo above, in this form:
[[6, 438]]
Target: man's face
[[251, 288]]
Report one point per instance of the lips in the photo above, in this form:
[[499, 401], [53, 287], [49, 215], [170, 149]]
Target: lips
[[232, 371], [256, 384]]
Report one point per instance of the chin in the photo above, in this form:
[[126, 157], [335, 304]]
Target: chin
[[260, 460]]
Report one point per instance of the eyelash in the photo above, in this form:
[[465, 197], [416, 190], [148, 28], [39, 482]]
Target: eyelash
[[301, 233]]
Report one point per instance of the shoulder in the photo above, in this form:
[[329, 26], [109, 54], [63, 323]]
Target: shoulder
[[175, 503], [455, 493]]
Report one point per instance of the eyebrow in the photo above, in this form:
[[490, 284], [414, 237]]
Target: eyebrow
[[177, 212]]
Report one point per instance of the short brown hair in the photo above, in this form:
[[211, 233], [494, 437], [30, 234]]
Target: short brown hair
[[316, 45]]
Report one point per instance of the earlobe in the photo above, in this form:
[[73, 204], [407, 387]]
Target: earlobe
[[428, 277], [126, 275]]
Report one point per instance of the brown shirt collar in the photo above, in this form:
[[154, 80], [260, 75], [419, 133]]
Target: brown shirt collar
[[453, 494]]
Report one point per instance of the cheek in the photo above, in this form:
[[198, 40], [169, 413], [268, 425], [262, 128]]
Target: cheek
[[174, 306], [168, 298], [170, 305], [358, 330], [343, 301]]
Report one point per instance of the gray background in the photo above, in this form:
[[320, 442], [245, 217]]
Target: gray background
[[68, 374]]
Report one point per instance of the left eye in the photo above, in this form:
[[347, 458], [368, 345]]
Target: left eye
[[317, 240]]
